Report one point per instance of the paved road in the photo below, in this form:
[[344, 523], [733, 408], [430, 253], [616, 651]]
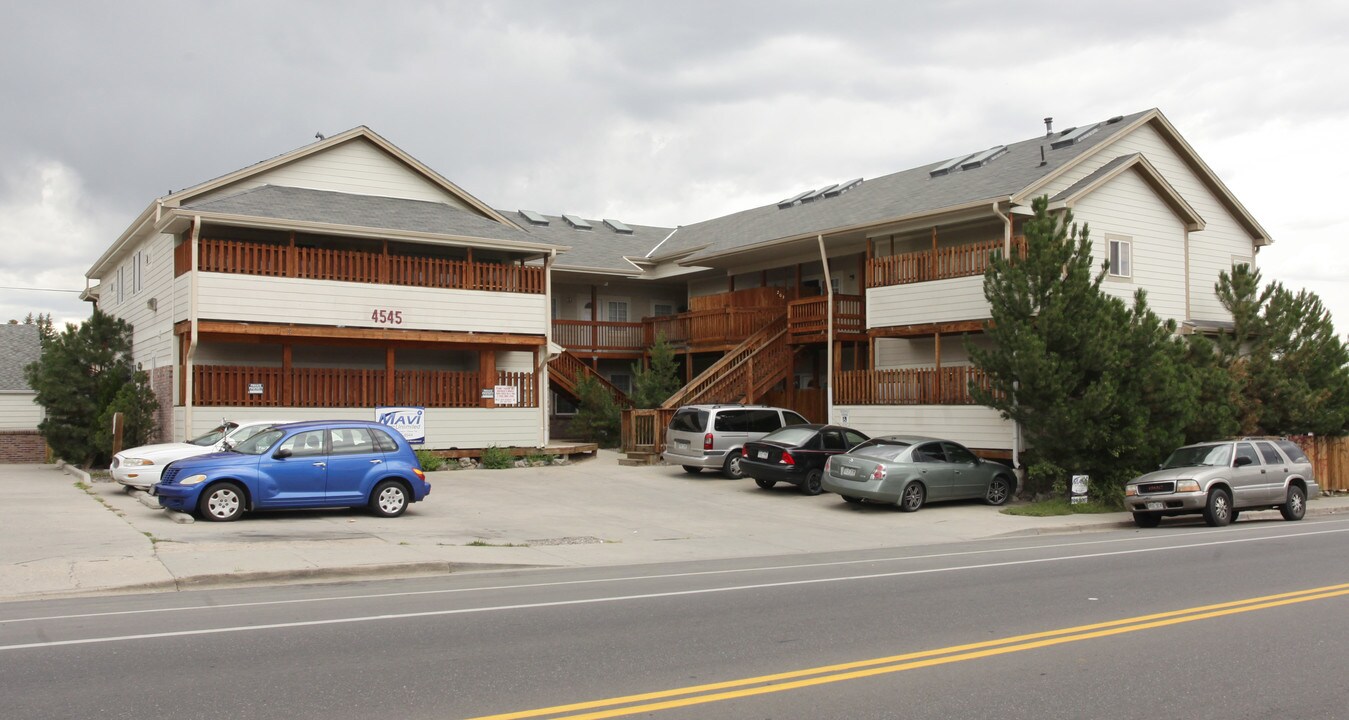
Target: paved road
[[1185, 621]]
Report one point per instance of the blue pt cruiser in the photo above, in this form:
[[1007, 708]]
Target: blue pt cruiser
[[347, 463]]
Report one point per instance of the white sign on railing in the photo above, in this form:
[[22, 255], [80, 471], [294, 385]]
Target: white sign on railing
[[506, 395]]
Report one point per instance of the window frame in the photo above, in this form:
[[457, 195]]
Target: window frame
[[1125, 243]]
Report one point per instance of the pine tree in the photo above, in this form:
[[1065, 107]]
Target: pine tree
[[655, 383], [597, 416], [82, 373]]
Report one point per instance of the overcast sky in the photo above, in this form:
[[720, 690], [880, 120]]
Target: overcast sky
[[655, 113]]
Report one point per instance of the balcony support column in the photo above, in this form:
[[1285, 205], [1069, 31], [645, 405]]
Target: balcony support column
[[390, 394], [487, 374]]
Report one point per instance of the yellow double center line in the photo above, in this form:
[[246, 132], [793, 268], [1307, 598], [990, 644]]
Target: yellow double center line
[[764, 684]]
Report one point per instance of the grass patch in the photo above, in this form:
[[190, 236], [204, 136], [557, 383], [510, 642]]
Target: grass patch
[[484, 543], [495, 458], [1059, 506]]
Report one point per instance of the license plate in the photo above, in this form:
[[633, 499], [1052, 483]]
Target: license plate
[[846, 471], [1154, 505], [763, 454], [682, 444]]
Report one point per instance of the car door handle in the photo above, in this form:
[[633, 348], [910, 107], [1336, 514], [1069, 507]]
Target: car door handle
[[320, 464], [376, 462]]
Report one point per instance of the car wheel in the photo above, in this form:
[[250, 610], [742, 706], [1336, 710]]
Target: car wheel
[[1147, 520], [389, 499], [999, 491], [732, 466], [221, 502], [1235, 514], [852, 500], [691, 469], [1295, 506], [812, 484], [1218, 510], [913, 497], [765, 484]]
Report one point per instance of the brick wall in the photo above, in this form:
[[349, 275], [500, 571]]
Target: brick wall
[[22, 446], [161, 382]]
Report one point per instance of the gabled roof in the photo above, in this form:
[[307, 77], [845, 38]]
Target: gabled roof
[[335, 209], [891, 198], [601, 249], [1117, 167], [20, 345]]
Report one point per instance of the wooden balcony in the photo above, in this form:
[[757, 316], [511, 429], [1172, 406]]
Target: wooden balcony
[[600, 337], [808, 319], [276, 260], [938, 263], [229, 385], [915, 386]]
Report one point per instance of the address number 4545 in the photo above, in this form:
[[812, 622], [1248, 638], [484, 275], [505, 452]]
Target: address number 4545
[[387, 317]]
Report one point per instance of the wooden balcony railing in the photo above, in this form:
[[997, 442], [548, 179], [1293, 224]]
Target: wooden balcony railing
[[809, 317], [248, 258], [229, 385], [938, 264], [915, 386], [727, 326], [583, 336]]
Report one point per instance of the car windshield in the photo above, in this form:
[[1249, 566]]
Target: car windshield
[[259, 443], [1200, 456], [790, 435], [889, 450], [214, 435], [244, 433]]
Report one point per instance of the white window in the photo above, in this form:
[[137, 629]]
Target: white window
[[618, 311], [136, 272], [1121, 257], [121, 275], [662, 309]]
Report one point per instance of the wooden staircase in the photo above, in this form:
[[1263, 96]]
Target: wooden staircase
[[745, 373], [566, 371]]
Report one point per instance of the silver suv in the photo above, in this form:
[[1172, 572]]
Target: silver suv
[[1220, 479], [710, 436]]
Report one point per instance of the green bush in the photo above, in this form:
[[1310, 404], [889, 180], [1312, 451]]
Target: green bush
[[495, 458], [430, 461], [544, 458]]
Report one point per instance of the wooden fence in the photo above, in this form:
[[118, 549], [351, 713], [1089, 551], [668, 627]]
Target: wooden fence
[[911, 386], [1330, 460], [252, 386], [937, 264], [273, 260]]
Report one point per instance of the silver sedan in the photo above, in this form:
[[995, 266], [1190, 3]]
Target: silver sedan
[[910, 471]]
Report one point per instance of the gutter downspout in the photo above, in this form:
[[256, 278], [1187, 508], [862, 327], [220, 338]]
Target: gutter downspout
[[1016, 426], [188, 365], [829, 334]]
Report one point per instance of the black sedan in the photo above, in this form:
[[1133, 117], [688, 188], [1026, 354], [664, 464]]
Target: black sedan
[[796, 454]]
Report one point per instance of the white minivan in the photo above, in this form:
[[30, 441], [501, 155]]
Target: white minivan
[[711, 436]]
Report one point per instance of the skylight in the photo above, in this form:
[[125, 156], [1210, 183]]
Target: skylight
[[618, 227], [983, 158], [844, 187], [533, 217], [812, 197], [1072, 136], [576, 222], [784, 204], [948, 166]]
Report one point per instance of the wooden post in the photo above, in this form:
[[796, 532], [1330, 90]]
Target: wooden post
[[390, 388], [292, 263], [937, 353], [932, 262], [487, 374], [287, 376], [594, 317]]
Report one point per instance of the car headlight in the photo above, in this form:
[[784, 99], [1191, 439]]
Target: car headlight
[[1130, 490], [193, 479], [136, 462], [1187, 486]]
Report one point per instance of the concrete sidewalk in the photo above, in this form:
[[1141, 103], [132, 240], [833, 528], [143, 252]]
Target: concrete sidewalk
[[62, 536]]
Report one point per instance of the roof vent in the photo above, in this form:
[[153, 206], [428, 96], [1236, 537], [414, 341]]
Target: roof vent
[[618, 227], [577, 222], [1114, 120], [1072, 136], [844, 187], [533, 217]]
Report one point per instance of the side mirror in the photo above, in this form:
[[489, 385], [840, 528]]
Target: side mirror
[[1242, 462], [282, 454]]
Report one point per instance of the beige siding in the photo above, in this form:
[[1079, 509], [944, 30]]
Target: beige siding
[[445, 427], [572, 299], [244, 298], [356, 167], [152, 339], [971, 425], [901, 353], [927, 302], [1128, 208], [1212, 249], [18, 411]]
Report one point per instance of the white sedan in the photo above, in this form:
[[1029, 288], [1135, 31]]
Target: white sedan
[[140, 467]]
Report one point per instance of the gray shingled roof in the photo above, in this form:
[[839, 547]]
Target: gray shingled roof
[[600, 247], [888, 197], [19, 346], [366, 211], [1087, 181]]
